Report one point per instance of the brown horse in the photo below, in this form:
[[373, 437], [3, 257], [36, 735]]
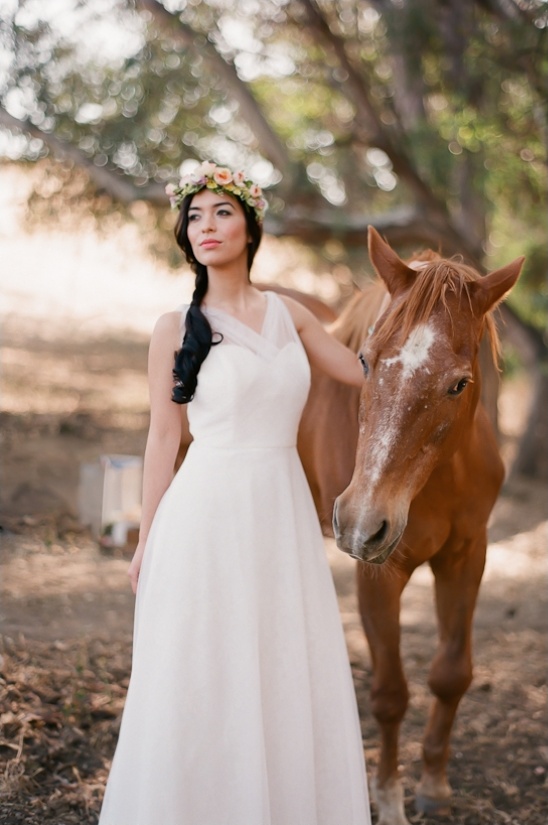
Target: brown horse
[[427, 473], [422, 485]]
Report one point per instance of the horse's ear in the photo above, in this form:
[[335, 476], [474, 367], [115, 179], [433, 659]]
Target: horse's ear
[[492, 288], [395, 273]]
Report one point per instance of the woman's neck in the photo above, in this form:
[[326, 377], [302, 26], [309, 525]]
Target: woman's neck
[[232, 291]]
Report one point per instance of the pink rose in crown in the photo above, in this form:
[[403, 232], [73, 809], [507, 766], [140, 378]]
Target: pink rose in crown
[[170, 190], [222, 176], [255, 191], [207, 168], [238, 178]]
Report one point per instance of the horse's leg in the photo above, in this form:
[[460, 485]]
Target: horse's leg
[[457, 573], [379, 595]]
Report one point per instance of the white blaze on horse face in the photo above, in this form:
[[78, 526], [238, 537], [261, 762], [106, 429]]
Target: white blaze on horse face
[[412, 357], [415, 351]]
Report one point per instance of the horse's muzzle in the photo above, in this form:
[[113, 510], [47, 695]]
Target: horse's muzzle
[[371, 542]]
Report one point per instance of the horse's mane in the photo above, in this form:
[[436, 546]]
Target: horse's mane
[[355, 321], [436, 279]]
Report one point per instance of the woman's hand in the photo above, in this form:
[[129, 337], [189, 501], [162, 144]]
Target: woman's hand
[[135, 566]]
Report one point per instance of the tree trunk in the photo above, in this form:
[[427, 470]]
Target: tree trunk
[[532, 455]]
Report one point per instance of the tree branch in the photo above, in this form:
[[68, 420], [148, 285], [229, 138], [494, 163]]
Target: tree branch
[[120, 188], [270, 144], [401, 227], [356, 90]]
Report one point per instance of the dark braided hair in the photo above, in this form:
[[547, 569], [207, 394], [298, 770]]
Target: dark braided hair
[[198, 337]]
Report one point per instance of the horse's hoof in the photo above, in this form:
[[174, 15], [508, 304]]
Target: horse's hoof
[[432, 807], [389, 802]]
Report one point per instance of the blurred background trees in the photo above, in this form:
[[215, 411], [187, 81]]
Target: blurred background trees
[[426, 118]]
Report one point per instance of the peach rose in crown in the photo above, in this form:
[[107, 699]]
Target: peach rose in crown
[[222, 176], [255, 191]]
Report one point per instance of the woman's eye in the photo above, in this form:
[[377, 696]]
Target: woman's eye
[[224, 212], [365, 365], [459, 386], [192, 218]]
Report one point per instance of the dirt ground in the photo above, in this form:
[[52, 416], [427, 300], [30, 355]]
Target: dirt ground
[[67, 608]]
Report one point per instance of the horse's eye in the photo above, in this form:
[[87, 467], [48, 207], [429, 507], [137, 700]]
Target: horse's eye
[[365, 365], [457, 388]]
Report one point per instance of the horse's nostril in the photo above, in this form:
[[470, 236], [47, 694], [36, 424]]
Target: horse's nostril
[[381, 532]]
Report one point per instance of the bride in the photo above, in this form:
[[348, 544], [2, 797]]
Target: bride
[[240, 708]]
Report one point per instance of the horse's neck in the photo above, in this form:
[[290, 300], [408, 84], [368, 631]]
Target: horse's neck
[[355, 321]]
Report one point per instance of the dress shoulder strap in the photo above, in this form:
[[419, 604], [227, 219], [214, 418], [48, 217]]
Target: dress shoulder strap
[[279, 326]]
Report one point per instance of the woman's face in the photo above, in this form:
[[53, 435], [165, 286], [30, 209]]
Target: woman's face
[[217, 230]]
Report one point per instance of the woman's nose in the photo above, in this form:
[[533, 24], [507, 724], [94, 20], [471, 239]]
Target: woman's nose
[[208, 223]]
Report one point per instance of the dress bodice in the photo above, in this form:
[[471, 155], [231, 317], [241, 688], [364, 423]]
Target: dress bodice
[[252, 386]]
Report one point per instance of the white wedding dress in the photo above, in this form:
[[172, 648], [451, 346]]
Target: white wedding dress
[[241, 708]]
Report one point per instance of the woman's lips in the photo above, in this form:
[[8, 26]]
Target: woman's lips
[[209, 244]]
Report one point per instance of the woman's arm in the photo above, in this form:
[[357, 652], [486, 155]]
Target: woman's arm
[[164, 433], [324, 351]]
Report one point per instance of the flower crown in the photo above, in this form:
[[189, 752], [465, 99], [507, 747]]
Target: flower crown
[[219, 179]]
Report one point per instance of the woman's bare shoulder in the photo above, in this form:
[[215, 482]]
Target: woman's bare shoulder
[[168, 330], [169, 322], [299, 313]]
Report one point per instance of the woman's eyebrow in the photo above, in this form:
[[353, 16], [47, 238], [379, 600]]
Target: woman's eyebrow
[[215, 205]]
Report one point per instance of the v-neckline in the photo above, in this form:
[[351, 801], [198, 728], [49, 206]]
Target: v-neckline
[[216, 311]]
